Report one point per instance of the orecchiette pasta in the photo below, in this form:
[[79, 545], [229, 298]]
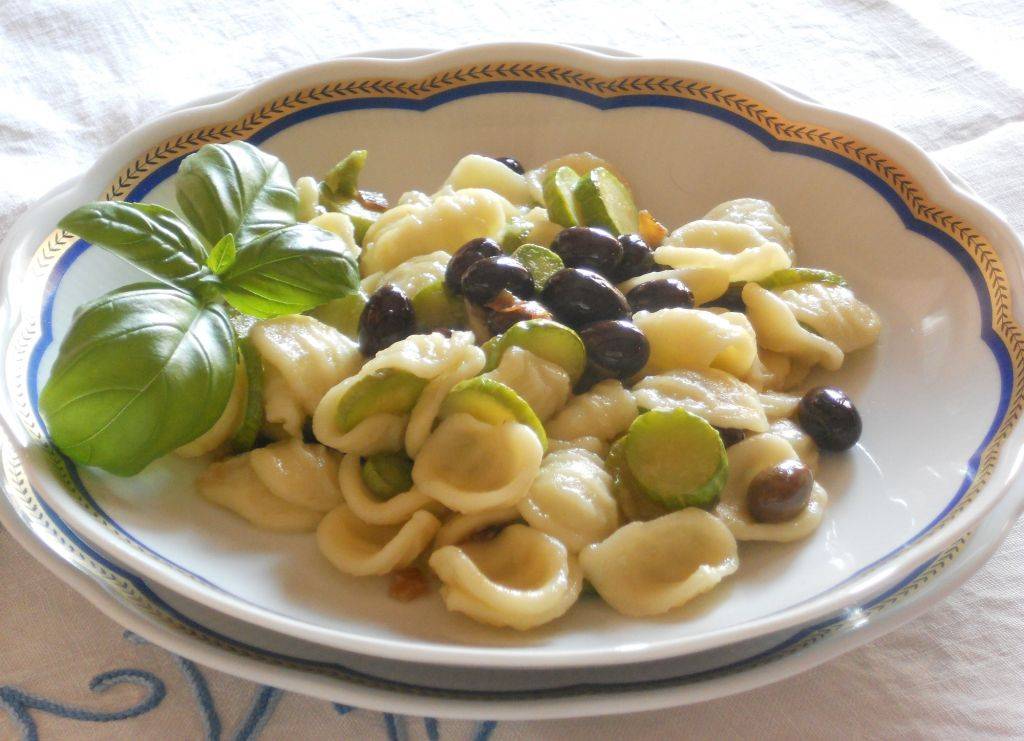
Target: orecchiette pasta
[[542, 384], [707, 284], [759, 214], [746, 460], [411, 276], [461, 527], [234, 485], [225, 425], [721, 399], [722, 341], [458, 465], [778, 405], [301, 473], [777, 329], [738, 249], [367, 507], [309, 198], [648, 568], [475, 171], [802, 443], [571, 499], [341, 226], [424, 414], [446, 224], [303, 358], [521, 579], [603, 412], [834, 313], [595, 445], [361, 549], [542, 230]]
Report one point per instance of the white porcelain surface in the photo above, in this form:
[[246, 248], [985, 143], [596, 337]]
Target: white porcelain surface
[[929, 392]]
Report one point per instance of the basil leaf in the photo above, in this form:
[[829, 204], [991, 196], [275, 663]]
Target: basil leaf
[[288, 271], [235, 189], [151, 237], [223, 254], [141, 372]]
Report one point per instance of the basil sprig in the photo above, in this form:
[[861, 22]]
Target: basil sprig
[[150, 367]]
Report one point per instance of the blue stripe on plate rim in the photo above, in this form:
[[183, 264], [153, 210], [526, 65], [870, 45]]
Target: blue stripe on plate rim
[[988, 334]]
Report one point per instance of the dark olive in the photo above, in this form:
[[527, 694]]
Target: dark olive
[[616, 346], [466, 255], [780, 493], [665, 293], [587, 247], [828, 415], [579, 297], [637, 258], [507, 310], [732, 299], [486, 278], [387, 318], [511, 163], [731, 435]]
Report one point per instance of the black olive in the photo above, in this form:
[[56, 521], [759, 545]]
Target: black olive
[[466, 255], [587, 247], [511, 163], [732, 299], [507, 310], [780, 493], [616, 346], [828, 415], [731, 435], [487, 278], [664, 293], [637, 258], [579, 297], [387, 318]]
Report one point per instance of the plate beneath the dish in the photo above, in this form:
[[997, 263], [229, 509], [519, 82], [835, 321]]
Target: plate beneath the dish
[[939, 394]]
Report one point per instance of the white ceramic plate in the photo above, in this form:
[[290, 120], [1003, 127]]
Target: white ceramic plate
[[232, 646], [939, 395]]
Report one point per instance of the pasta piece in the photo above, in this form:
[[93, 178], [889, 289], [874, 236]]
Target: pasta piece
[[303, 358], [761, 215], [298, 472], [367, 507], [746, 460], [738, 249], [802, 443], [834, 313], [521, 579], [475, 171], [462, 527], [707, 284], [360, 549], [778, 405], [341, 226], [225, 425], [423, 355], [424, 414], [604, 412], [234, 485], [571, 499], [649, 568], [693, 338], [470, 466], [411, 276], [777, 329], [309, 198], [446, 224], [542, 229], [543, 385], [721, 399], [581, 162], [595, 445], [776, 372]]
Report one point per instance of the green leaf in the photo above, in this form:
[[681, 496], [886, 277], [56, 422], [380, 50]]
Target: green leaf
[[151, 237], [141, 372], [223, 254], [288, 271], [343, 180], [235, 189]]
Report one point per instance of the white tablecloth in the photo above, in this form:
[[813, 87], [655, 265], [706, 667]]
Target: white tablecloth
[[73, 75]]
